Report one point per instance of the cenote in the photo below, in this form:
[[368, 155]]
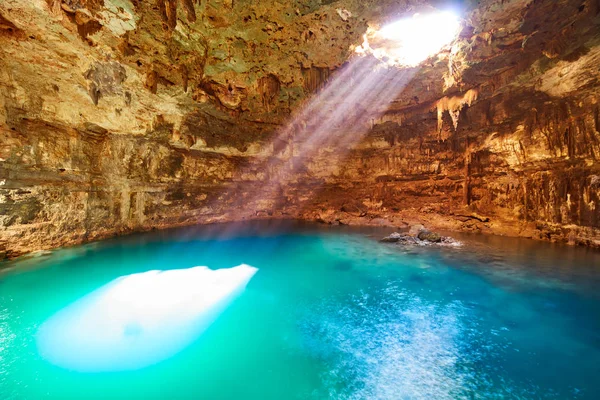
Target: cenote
[[245, 162], [316, 312]]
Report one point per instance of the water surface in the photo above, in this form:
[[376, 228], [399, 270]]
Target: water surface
[[330, 313]]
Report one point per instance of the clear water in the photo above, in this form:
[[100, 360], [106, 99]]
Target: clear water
[[331, 313]]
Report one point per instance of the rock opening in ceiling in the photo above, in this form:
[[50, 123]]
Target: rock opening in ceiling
[[410, 41]]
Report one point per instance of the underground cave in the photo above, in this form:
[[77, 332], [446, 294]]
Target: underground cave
[[285, 199]]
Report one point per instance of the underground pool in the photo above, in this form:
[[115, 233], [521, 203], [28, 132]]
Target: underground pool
[[300, 311]]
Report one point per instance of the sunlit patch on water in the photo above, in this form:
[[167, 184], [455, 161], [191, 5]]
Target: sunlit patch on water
[[139, 319], [395, 345]]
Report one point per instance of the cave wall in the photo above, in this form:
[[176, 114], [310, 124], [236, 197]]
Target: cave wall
[[517, 164], [514, 151], [123, 115]]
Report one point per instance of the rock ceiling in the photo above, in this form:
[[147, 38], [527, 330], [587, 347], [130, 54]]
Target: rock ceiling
[[119, 115]]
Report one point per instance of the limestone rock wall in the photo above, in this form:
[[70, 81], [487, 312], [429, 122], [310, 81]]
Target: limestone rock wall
[[508, 143], [123, 115], [517, 164]]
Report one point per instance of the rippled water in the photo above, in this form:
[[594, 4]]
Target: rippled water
[[330, 313]]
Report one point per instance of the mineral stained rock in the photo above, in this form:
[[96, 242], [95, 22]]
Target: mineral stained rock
[[125, 115]]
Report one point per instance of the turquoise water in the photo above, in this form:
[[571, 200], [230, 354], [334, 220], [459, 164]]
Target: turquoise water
[[329, 313]]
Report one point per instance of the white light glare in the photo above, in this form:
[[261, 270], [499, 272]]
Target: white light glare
[[421, 36], [138, 320]]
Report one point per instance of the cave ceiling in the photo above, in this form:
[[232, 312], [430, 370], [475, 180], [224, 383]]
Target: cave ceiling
[[255, 63]]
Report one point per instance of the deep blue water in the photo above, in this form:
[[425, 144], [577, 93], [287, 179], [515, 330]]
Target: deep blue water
[[329, 313]]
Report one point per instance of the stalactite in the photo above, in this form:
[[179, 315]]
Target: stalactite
[[467, 186], [184, 77], [188, 8], [269, 87], [94, 93], [151, 82], [597, 119], [454, 105], [396, 117], [315, 78], [168, 13]]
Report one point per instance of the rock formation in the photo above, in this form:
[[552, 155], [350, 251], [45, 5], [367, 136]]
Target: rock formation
[[124, 115], [419, 236]]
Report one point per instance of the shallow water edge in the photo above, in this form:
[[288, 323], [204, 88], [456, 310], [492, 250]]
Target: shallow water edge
[[442, 225]]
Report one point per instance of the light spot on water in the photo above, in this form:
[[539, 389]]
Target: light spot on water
[[399, 346], [140, 319]]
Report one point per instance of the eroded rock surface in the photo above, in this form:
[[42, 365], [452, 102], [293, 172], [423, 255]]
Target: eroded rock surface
[[419, 236], [123, 115]]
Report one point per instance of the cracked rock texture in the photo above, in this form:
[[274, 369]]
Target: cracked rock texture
[[125, 115]]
